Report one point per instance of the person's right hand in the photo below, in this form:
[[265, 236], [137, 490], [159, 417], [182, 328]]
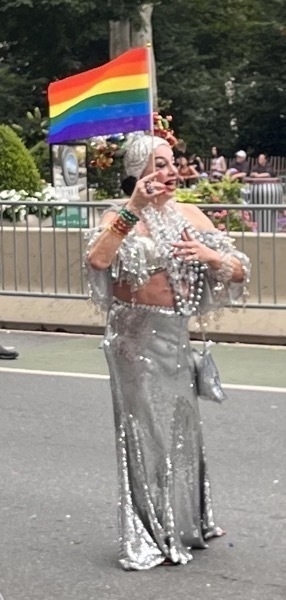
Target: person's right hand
[[147, 191]]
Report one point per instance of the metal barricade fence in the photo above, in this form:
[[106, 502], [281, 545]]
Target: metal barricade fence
[[46, 261]]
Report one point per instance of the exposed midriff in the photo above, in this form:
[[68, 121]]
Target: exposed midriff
[[156, 292]]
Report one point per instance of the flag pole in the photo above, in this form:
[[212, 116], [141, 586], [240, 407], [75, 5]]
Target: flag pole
[[151, 100]]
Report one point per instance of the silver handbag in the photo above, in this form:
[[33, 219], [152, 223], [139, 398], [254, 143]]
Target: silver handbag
[[207, 376]]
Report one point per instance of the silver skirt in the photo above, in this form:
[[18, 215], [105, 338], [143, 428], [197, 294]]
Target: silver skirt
[[165, 507]]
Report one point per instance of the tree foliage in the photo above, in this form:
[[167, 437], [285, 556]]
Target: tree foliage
[[220, 66]]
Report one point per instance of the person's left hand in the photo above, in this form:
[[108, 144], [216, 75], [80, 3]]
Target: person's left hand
[[191, 249]]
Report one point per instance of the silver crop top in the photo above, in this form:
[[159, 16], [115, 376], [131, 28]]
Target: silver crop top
[[139, 259], [141, 247]]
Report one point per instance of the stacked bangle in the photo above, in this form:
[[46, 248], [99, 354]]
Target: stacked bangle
[[123, 223], [120, 226], [129, 216]]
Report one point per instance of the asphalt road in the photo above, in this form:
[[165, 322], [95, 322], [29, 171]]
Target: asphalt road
[[238, 364], [58, 498]]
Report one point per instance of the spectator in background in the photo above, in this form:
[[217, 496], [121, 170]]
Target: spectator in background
[[179, 150], [196, 162], [187, 173], [218, 164], [239, 168], [262, 168]]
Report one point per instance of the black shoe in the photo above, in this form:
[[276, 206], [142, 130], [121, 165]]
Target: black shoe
[[8, 353]]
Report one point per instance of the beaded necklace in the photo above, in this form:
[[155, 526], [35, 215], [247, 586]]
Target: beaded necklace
[[196, 288], [185, 277]]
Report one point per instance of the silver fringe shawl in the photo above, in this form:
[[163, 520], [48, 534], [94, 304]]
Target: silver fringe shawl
[[131, 265]]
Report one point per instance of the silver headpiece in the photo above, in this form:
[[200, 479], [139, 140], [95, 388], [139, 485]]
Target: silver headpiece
[[138, 151]]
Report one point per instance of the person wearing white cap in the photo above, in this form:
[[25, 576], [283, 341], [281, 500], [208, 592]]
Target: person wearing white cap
[[239, 168]]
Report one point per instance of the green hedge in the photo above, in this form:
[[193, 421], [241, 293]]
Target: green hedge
[[18, 170]]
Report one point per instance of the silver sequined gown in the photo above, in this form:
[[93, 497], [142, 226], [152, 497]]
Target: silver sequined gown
[[165, 506]]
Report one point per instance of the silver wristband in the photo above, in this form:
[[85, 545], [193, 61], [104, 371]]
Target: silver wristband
[[225, 272]]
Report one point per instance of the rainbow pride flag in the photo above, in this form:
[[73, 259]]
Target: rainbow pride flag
[[111, 99]]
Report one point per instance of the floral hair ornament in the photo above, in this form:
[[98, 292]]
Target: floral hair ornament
[[162, 128]]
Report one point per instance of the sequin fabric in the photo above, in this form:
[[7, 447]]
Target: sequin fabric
[[165, 507], [139, 257]]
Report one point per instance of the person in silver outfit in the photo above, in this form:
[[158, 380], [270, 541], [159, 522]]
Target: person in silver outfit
[[153, 265]]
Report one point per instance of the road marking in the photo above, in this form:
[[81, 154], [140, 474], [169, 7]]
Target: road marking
[[254, 388], [95, 336], [55, 334], [52, 373], [227, 386], [238, 345]]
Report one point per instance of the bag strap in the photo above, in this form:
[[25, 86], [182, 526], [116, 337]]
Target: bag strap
[[206, 343]]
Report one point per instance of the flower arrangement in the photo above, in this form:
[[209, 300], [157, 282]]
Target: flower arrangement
[[7, 210], [103, 150], [19, 211], [232, 220], [222, 192], [48, 194]]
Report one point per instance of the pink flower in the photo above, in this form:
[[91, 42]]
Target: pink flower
[[221, 227]]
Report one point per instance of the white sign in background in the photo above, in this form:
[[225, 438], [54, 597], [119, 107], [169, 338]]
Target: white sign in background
[[70, 193]]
